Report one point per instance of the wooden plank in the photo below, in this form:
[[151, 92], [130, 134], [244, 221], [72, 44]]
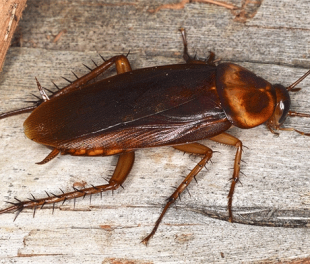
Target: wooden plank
[[275, 190], [10, 14]]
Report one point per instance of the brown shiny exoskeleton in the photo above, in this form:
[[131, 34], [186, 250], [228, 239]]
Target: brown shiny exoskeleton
[[173, 105]]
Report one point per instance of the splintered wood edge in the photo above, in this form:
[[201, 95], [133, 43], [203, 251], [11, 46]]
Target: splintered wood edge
[[11, 13]]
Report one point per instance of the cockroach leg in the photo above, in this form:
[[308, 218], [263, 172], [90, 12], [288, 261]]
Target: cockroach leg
[[27, 109], [292, 113], [211, 59], [122, 65], [293, 129], [193, 148], [94, 63], [123, 167], [57, 85], [88, 68], [301, 133], [188, 58], [50, 91], [75, 74], [271, 129], [66, 79], [227, 139]]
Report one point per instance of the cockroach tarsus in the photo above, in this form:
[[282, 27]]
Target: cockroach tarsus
[[172, 105]]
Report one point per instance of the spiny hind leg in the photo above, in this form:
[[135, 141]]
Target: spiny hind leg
[[123, 168], [122, 65], [189, 59], [192, 148], [227, 139]]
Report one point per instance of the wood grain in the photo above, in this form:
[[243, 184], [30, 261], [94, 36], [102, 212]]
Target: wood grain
[[271, 205], [10, 14]]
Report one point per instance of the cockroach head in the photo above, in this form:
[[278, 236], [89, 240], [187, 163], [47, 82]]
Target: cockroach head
[[283, 103], [282, 108]]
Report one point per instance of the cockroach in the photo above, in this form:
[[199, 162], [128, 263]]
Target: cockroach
[[173, 105]]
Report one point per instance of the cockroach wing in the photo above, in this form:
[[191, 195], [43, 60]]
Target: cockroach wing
[[248, 100], [192, 121], [116, 102]]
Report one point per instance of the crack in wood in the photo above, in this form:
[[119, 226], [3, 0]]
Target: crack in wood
[[182, 4], [259, 216], [247, 10]]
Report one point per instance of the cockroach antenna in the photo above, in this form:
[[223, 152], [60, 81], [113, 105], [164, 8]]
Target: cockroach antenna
[[291, 87]]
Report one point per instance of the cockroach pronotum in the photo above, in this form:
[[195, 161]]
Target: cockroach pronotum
[[174, 105]]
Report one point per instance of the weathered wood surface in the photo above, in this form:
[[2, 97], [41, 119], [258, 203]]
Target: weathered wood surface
[[276, 188], [10, 14]]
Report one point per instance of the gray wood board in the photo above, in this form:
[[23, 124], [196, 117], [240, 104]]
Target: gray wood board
[[275, 191]]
